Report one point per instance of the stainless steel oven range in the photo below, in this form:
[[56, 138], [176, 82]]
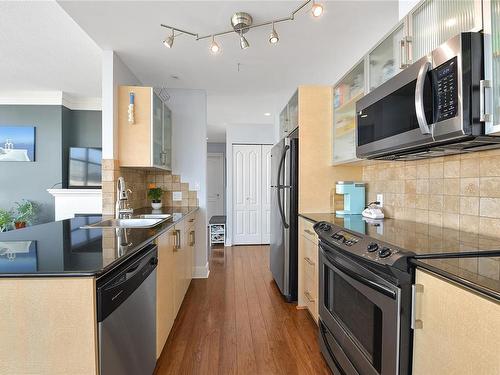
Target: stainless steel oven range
[[364, 303]]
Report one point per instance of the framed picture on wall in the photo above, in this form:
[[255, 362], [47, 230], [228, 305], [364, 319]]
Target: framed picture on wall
[[17, 143]]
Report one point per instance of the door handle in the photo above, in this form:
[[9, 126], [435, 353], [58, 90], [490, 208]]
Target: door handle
[[419, 99], [309, 232], [402, 63], [483, 85], [308, 260], [309, 297], [193, 238], [415, 323], [177, 235]]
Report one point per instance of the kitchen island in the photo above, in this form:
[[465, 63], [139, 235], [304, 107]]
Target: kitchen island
[[48, 276]]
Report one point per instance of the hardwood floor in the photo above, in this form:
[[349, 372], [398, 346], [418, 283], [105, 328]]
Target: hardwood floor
[[236, 322]]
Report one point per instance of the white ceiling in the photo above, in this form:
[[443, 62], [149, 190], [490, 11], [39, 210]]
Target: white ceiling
[[42, 49], [310, 51]]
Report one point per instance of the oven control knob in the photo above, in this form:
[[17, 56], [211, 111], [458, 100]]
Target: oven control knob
[[326, 227], [384, 252], [372, 246]]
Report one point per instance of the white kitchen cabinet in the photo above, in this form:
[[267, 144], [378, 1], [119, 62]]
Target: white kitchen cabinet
[[433, 22], [389, 56], [345, 94]]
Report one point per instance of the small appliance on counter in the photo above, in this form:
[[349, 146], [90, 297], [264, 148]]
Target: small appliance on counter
[[354, 197], [373, 211]]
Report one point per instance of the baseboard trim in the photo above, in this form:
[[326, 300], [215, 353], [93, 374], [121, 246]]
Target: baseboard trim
[[201, 272]]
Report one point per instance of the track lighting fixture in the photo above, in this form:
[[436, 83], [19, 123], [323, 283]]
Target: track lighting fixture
[[243, 42], [317, 9], [274, 38], [241, 23], [214, 47], [169, 41]]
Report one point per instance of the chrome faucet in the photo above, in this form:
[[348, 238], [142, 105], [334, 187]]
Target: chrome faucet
[[121, 206]]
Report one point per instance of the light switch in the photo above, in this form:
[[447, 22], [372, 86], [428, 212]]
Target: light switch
[[177, 195]]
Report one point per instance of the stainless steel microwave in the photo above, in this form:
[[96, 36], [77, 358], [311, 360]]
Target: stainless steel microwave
[[433, 108]]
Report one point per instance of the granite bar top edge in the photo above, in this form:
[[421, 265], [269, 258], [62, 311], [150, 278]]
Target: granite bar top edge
[[493, 294], [160, 229]]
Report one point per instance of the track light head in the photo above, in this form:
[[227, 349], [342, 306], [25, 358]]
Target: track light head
[[243, 42], [169, 41], [317, 9], [273, 37], [214, 47]]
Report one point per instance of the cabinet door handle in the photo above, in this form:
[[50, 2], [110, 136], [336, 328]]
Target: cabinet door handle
[[402, 64], [483, 85], [415, 323], [193, 238], [177, 244], [309, 297], [191, 220], [308, 260], [309, 232]]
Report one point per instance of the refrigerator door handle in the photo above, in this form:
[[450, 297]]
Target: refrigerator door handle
[[279, 187]]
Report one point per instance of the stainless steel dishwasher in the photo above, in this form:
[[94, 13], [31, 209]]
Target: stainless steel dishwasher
[[126, 314]]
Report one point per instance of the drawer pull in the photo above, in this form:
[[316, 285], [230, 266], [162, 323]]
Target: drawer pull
[[308, 260], [309, 297], [191, 220], [309, 232]]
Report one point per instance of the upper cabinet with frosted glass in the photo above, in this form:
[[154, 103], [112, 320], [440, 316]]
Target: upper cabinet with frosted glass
[[345, 94], [144, 139], [289, 116], [491, 13], [429, 24], [389, 56], [433, 22]]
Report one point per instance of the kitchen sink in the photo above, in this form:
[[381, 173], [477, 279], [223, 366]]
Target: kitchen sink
[[138, 222], [155, 216]]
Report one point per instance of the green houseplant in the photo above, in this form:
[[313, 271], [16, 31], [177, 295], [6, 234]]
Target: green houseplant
[[155, 194], [6, 220], [25, 213]]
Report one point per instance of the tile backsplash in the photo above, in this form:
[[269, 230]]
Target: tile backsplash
[[459, 191], [137, 180]]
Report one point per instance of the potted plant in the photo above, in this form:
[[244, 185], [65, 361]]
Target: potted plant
[[25, 213], [6, 220], [155, 194]]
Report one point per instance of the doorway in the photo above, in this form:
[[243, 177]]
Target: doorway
[[251, 194], [215, 185]]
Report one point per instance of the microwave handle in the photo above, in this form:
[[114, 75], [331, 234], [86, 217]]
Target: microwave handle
[[419, 99]]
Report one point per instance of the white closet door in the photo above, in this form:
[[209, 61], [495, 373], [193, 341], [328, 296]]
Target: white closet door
[[266, 194], [247, 191]]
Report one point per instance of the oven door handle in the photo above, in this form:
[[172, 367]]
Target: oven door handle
[[363, 279], [419, 99]]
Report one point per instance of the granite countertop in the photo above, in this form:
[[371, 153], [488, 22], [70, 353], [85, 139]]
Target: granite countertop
[[63, 248], [470, 259]]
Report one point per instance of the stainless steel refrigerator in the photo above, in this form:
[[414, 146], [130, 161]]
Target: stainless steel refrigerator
[[284, 210]]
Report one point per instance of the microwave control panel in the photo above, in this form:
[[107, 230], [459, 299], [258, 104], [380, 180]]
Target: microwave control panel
[[446, 90]]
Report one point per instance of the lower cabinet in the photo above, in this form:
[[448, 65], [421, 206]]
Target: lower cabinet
[[456, 329], [164, 289], [308, 291], [174, 274]]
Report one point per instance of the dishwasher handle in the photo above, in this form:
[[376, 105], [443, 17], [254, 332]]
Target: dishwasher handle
[[112, 291]]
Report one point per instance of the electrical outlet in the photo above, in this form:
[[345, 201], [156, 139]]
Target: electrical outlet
[[380, 199], [177, 195]]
